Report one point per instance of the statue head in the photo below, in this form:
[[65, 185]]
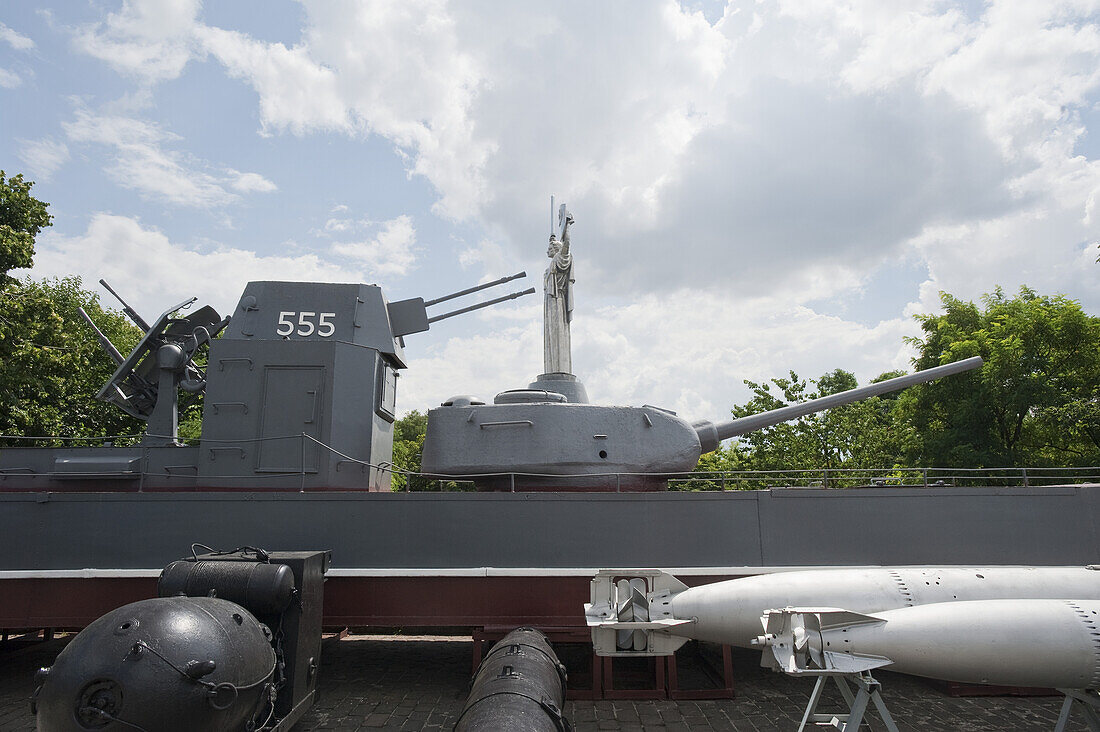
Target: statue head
[[554, 247]]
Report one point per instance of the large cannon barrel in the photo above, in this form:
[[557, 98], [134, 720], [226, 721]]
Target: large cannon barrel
[[711, 435], [520, 687]]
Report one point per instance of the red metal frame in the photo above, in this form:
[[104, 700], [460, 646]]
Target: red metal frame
[[490, 606], [722, 692], [462, 602]]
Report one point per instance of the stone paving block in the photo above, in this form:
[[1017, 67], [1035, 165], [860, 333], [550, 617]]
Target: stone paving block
[[373, 683]]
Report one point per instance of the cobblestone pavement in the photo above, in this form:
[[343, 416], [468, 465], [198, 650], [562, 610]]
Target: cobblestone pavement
[[391, 683]]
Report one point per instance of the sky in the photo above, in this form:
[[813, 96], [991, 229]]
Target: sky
[[757, 186]]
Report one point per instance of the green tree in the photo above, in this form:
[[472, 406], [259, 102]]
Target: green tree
[[860, 435], [51, 364], [1034, 402], [22, 216], [408, 445]]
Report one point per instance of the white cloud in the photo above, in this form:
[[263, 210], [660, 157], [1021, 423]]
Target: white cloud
[[43, 157], [489, 254], [390, 252], [336, 226], [144, 265], [142, 161], [146, 39], [780, 156], [782, 136], [779, 140], [442, 366], [16, 40], [251, 183], [9, 79], [296, 93], [711, 344], [685, 350], [396, 69]]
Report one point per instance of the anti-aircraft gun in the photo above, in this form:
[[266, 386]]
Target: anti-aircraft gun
[[146, 383], [299, 389]]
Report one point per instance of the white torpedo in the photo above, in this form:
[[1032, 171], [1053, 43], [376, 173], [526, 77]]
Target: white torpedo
[[1043, 643], [649, 612]]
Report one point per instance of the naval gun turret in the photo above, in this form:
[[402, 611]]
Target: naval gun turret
[[548, 436], [537, 438]]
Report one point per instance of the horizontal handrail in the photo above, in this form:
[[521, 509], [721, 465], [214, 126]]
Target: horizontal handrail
[[823, 477]]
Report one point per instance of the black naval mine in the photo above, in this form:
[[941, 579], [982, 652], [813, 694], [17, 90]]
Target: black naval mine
[[233, 642]]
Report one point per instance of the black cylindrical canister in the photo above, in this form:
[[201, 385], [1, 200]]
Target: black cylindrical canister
[[260, 587], [520, 686]]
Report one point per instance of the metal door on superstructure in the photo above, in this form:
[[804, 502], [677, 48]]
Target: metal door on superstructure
[[292, 405]]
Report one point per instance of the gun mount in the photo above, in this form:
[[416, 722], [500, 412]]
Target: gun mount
[[536, 438], [146, 383], [548, 436]]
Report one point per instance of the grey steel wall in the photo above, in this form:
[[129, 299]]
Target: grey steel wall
[[1043, 526]]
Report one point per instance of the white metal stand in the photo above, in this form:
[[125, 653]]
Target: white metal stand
[[867, 690], [1087, 701]]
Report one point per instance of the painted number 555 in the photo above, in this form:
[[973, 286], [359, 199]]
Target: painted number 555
[[302, 323]]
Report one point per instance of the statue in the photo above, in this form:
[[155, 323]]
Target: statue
[[558, 302]]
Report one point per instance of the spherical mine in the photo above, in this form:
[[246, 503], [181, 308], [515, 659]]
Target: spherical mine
[[169, 664]]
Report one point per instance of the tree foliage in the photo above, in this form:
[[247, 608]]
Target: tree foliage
[[855, 435], [408, 444], [1034, 402], [859, 435], [51, 364], [22, 216]]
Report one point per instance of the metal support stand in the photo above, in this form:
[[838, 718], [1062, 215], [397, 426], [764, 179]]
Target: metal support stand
[[867, 690], [1087, 701]]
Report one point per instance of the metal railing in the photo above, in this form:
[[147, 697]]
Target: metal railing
[[728, 480], [834, 478]]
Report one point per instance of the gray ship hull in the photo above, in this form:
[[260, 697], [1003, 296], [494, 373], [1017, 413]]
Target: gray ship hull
[[475, 559]]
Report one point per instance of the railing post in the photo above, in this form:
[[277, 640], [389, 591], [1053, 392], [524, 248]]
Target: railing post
[[825, 478], [144, 467], [512, 478], [924, 476], [1024, 471]]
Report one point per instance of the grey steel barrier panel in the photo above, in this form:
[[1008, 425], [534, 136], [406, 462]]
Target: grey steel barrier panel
[[784, 527]]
